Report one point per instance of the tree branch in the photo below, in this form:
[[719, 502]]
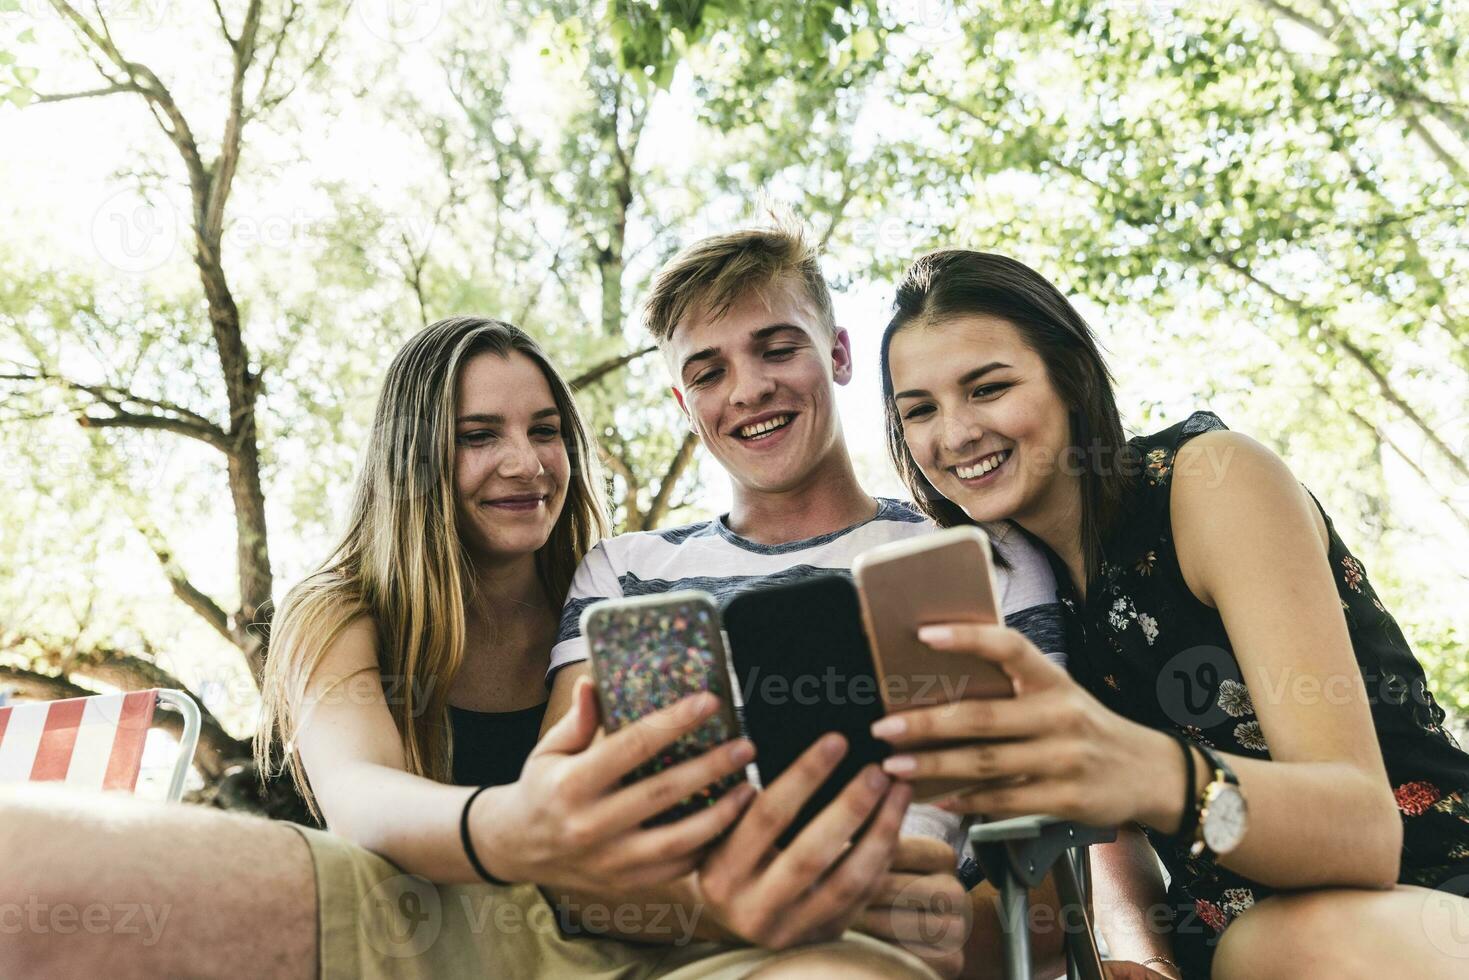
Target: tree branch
[[658, 509], [89, 94], [189, 594], [1355, 353], [182, 421], [597, 372]]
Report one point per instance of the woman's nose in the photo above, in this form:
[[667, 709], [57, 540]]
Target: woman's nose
[[520, 459], [959, 433]]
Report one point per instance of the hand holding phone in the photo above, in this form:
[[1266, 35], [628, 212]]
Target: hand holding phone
[[804, 670], [646, 654], [944, 577]]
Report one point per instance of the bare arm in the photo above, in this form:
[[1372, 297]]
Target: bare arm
[[566, 822], [1252, 544], [1129, 897]]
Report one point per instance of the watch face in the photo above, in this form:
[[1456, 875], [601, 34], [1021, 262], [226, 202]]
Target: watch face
[[1225, 821]]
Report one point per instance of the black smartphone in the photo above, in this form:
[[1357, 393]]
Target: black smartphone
[[804, 668]]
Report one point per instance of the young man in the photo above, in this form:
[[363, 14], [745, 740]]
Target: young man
[[745, 324]]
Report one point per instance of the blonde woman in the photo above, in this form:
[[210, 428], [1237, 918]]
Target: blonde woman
[[411, 661]]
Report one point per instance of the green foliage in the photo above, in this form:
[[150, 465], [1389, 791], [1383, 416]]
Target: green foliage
[[1258, 217]]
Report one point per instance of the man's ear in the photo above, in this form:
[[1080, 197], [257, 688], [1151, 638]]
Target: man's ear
[[678, 397], [841, 357]]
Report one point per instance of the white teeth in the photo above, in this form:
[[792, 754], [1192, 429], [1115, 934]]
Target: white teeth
[[982, 467], [760, 428]]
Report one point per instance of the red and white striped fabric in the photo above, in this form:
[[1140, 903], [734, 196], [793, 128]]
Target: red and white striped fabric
[[90, 743]]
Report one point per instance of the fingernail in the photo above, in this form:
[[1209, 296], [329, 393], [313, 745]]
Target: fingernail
[[741, 753], [833, 747], [876, 780], [889, 727], [899, 764], [936, 634], [705, 704], [743, 793]]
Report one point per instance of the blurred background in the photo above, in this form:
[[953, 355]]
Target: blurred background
[[222, 218]]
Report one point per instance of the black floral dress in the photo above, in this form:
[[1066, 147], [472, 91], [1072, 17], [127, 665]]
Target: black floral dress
[[1146, 647]]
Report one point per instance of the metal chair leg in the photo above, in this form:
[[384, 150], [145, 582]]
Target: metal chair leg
[[1015, 915], [1083, 958]]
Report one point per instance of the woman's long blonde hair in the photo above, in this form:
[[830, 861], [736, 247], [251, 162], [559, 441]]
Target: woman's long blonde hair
[[401, 562]]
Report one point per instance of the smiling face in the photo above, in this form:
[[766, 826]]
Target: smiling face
[[980, 416], [757, 386], [511, 468]]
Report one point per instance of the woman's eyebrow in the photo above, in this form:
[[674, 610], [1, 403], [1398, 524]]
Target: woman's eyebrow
[[500, 419], [969, 377]]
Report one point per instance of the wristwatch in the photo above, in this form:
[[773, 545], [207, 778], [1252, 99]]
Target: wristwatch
[[1223, 815]]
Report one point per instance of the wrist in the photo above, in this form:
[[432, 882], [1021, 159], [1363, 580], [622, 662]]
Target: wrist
[[1161, 806], [488, 828]]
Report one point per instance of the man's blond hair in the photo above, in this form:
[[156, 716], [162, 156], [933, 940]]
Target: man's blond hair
[[711, 275]]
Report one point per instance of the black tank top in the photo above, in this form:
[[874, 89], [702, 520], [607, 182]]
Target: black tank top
[[1146, 647], [490, 747]]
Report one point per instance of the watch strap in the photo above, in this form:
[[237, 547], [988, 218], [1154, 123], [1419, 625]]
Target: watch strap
[[1222, 769]]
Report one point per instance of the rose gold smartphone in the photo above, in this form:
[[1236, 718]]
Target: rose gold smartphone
[[944, 577]]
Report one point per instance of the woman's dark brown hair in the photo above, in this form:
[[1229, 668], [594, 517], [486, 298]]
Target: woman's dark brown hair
[[954, 283]]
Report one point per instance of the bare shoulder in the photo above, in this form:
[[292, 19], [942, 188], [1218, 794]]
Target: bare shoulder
[[1231, 495], [1231, 474], [351, 648]]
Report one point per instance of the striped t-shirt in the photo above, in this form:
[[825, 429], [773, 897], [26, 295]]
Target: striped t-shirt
[[710, 557]]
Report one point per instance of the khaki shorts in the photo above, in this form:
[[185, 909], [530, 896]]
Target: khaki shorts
[[375, 921]]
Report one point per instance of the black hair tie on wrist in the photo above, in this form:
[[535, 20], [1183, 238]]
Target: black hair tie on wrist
[[469, 844], [1189, 821]]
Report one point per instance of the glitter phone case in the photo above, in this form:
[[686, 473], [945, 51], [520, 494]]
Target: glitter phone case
[[649, 652]]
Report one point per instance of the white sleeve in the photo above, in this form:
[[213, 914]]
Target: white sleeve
[[1028, 595], [595, 580]]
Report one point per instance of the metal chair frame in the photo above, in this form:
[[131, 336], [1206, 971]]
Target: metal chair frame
[[1016, 855]]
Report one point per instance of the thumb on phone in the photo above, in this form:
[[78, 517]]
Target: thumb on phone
[[575, 731]]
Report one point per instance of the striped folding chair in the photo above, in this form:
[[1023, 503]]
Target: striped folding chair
[[92, 743]]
